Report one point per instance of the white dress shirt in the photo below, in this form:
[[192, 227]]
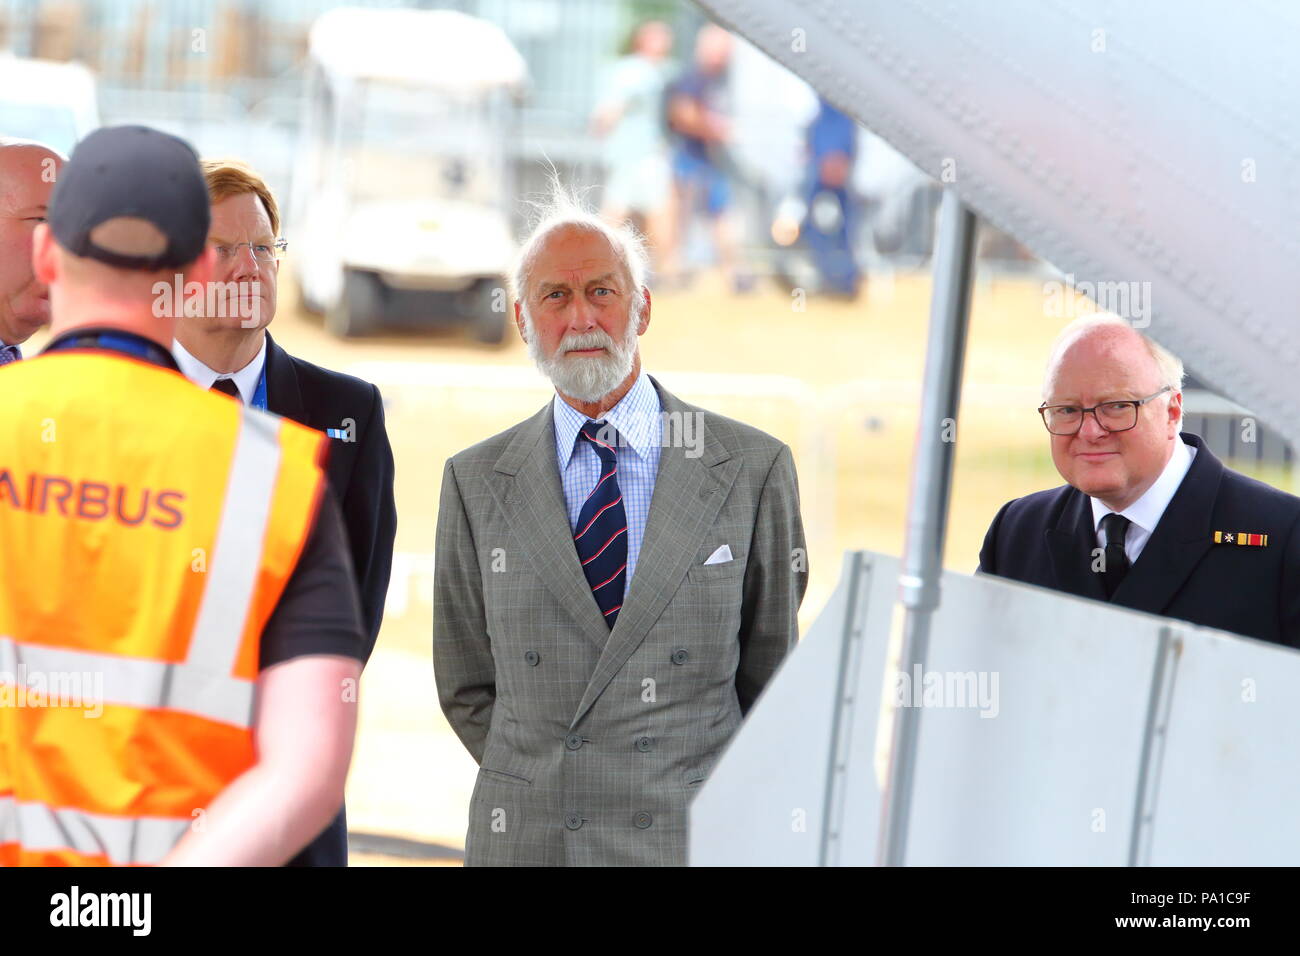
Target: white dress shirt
[[1146, 511], [202, 376]]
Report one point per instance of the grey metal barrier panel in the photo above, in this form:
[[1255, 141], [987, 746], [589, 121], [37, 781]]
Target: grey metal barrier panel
[[1031, 749], [765, 803], [1144, 149], [1226, 790], [1054, 731]]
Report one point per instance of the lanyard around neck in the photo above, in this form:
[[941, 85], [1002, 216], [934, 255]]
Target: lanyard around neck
[[259, 393], [126, 343]]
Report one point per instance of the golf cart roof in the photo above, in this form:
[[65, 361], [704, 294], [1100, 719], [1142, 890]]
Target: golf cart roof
[[440, 49]]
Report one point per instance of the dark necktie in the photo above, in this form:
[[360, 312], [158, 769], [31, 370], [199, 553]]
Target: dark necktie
[[601, 534], [1116, 527], [226, 386], [9, 353]]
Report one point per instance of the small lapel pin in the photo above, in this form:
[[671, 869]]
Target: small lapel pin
[[1242, 538]]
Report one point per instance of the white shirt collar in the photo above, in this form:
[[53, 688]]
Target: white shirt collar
[[202, 376], [1146, 511], [635, 417]]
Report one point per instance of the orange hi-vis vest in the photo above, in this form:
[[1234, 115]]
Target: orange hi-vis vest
[[147, 530]]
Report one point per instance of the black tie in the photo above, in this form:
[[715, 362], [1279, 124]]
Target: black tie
[[1116, 527], [227, 386]]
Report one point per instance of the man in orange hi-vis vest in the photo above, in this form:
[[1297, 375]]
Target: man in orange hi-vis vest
[[180, 635]]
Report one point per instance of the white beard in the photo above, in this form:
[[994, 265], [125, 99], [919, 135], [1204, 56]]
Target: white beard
[[588, 378]]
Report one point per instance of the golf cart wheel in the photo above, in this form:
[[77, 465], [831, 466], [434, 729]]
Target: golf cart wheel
[[359, 307], [307, 303], [488, 326]]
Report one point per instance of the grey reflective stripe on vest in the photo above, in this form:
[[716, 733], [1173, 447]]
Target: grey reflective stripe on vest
[[235, 561], [83, 680], [123, 840]]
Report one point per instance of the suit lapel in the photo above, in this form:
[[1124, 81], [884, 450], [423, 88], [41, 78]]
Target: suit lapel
[[1180, 540], [526, 486], [283, 396], [1070, 544], [689, 493]]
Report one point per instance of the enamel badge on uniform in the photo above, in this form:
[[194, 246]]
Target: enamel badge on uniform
[[1242, 538]]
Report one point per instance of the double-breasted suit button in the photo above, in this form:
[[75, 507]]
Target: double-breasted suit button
[[573, 741], [532, 658], [645, 744], [642, 820], [680, 656], [573, 820]]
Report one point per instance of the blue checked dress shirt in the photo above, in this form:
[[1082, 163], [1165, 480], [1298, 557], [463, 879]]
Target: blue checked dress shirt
[[637, 420]]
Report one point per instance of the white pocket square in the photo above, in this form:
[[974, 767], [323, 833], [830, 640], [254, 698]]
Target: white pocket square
[[721, 556]]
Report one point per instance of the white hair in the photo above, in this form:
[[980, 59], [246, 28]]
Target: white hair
[[563, 209], [1168, 366]]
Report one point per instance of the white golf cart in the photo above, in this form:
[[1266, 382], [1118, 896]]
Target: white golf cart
[[399, 202], [50, 102]]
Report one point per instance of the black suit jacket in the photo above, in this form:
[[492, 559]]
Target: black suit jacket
[[360, 472], [1048, 539]]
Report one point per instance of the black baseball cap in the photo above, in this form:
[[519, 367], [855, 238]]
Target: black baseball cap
[[120, 172]]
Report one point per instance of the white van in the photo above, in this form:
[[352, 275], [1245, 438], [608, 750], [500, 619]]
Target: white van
[[52, 103]]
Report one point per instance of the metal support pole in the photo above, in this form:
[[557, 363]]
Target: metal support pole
[[927, 516]]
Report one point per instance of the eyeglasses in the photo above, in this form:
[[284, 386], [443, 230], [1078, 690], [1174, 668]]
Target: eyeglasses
[[1111, 416], [261, 251]]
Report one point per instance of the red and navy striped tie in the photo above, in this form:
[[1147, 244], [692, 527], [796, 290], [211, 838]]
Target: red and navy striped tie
[[601, 534]]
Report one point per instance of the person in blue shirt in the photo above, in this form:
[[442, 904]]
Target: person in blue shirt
[[697, 105], [829, 225]]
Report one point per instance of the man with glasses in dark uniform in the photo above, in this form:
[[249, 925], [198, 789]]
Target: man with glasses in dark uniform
[[1148, 518]]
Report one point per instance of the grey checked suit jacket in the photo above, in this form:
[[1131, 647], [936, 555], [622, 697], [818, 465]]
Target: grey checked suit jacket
[[591, 742]]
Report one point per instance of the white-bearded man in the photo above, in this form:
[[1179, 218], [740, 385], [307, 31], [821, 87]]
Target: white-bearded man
[[616, 578]]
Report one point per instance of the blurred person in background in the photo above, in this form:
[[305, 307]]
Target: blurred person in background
[[830, 224], [616, 579], [630, 120], [228, 349], [1148, 518], [28, 171], [180, 559], [697, 108]]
